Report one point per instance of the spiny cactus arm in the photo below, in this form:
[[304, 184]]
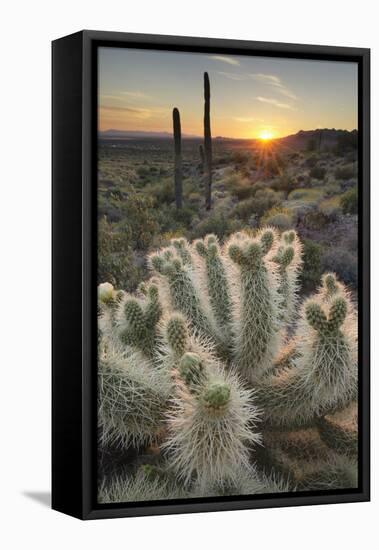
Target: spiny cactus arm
[[177, 334], [153, 309], [267, 238], [257, 329], [182, 248], [133, 332], [192, 371], [316, 317], [185, 296], [217, 285], [337, 314]]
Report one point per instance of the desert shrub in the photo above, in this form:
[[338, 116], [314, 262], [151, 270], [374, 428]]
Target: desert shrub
[[116, 263], [349, 201], [138, 213], [274, 166], [218, 223], [241, 157], [317, 172], [163, 191], [306, 194], [279, 217], [343, 263], [143, 171], [315, 220], [346, 172], [263, 200], [330, 207], [311, 273], [285, 184], [239, 186], [332, 188]]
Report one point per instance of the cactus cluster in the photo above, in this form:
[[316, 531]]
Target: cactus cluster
[[221, 381]]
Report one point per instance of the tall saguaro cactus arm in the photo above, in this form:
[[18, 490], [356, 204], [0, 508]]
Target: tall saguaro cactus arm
[[178, 158], [207, 143]]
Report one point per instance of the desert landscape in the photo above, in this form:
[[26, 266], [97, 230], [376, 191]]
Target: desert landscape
[[227, 305]]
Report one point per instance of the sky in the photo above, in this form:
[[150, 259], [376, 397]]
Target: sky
[[250, 96]]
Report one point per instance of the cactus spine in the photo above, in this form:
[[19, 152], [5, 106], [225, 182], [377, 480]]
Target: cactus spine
[[207, 143], [178, 158]]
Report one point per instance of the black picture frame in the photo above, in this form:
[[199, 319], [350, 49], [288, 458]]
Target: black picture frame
[[74, 332]]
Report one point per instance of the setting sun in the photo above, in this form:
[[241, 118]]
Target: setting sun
[[265, 135]]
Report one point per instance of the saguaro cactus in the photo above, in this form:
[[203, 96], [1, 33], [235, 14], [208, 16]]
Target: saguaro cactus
[[207, 143], [202, 159], [178, 158]]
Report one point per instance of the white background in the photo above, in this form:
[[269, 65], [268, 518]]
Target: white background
[[27, 29]]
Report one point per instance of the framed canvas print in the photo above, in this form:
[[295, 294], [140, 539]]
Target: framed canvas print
[[210, 274]]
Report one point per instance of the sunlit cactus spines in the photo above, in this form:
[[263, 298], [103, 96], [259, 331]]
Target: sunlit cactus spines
[[322, 372], [257, 327], [177, 334], [132, 397], [138, 320], [217, 284], [183, 292], [211, 431], [182, 248], [218, 338], [192, 371]]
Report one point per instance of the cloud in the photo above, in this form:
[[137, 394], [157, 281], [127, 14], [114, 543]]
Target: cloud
[[275, 82], [270, 80], [247, 119], [234, 76], [274, 102], [133, 111], [138, 95], [225, 59]]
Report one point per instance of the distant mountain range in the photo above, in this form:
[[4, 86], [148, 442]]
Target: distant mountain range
[[322, 137], [139, 134]]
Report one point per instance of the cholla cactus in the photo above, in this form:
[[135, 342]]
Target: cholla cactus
[[132, 397], [215, 360]]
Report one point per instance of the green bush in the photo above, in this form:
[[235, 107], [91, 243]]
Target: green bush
[[349, 201], [279, 217], [162, 192], [116, 262], [263, 200], [217, 223], [306, 194]]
